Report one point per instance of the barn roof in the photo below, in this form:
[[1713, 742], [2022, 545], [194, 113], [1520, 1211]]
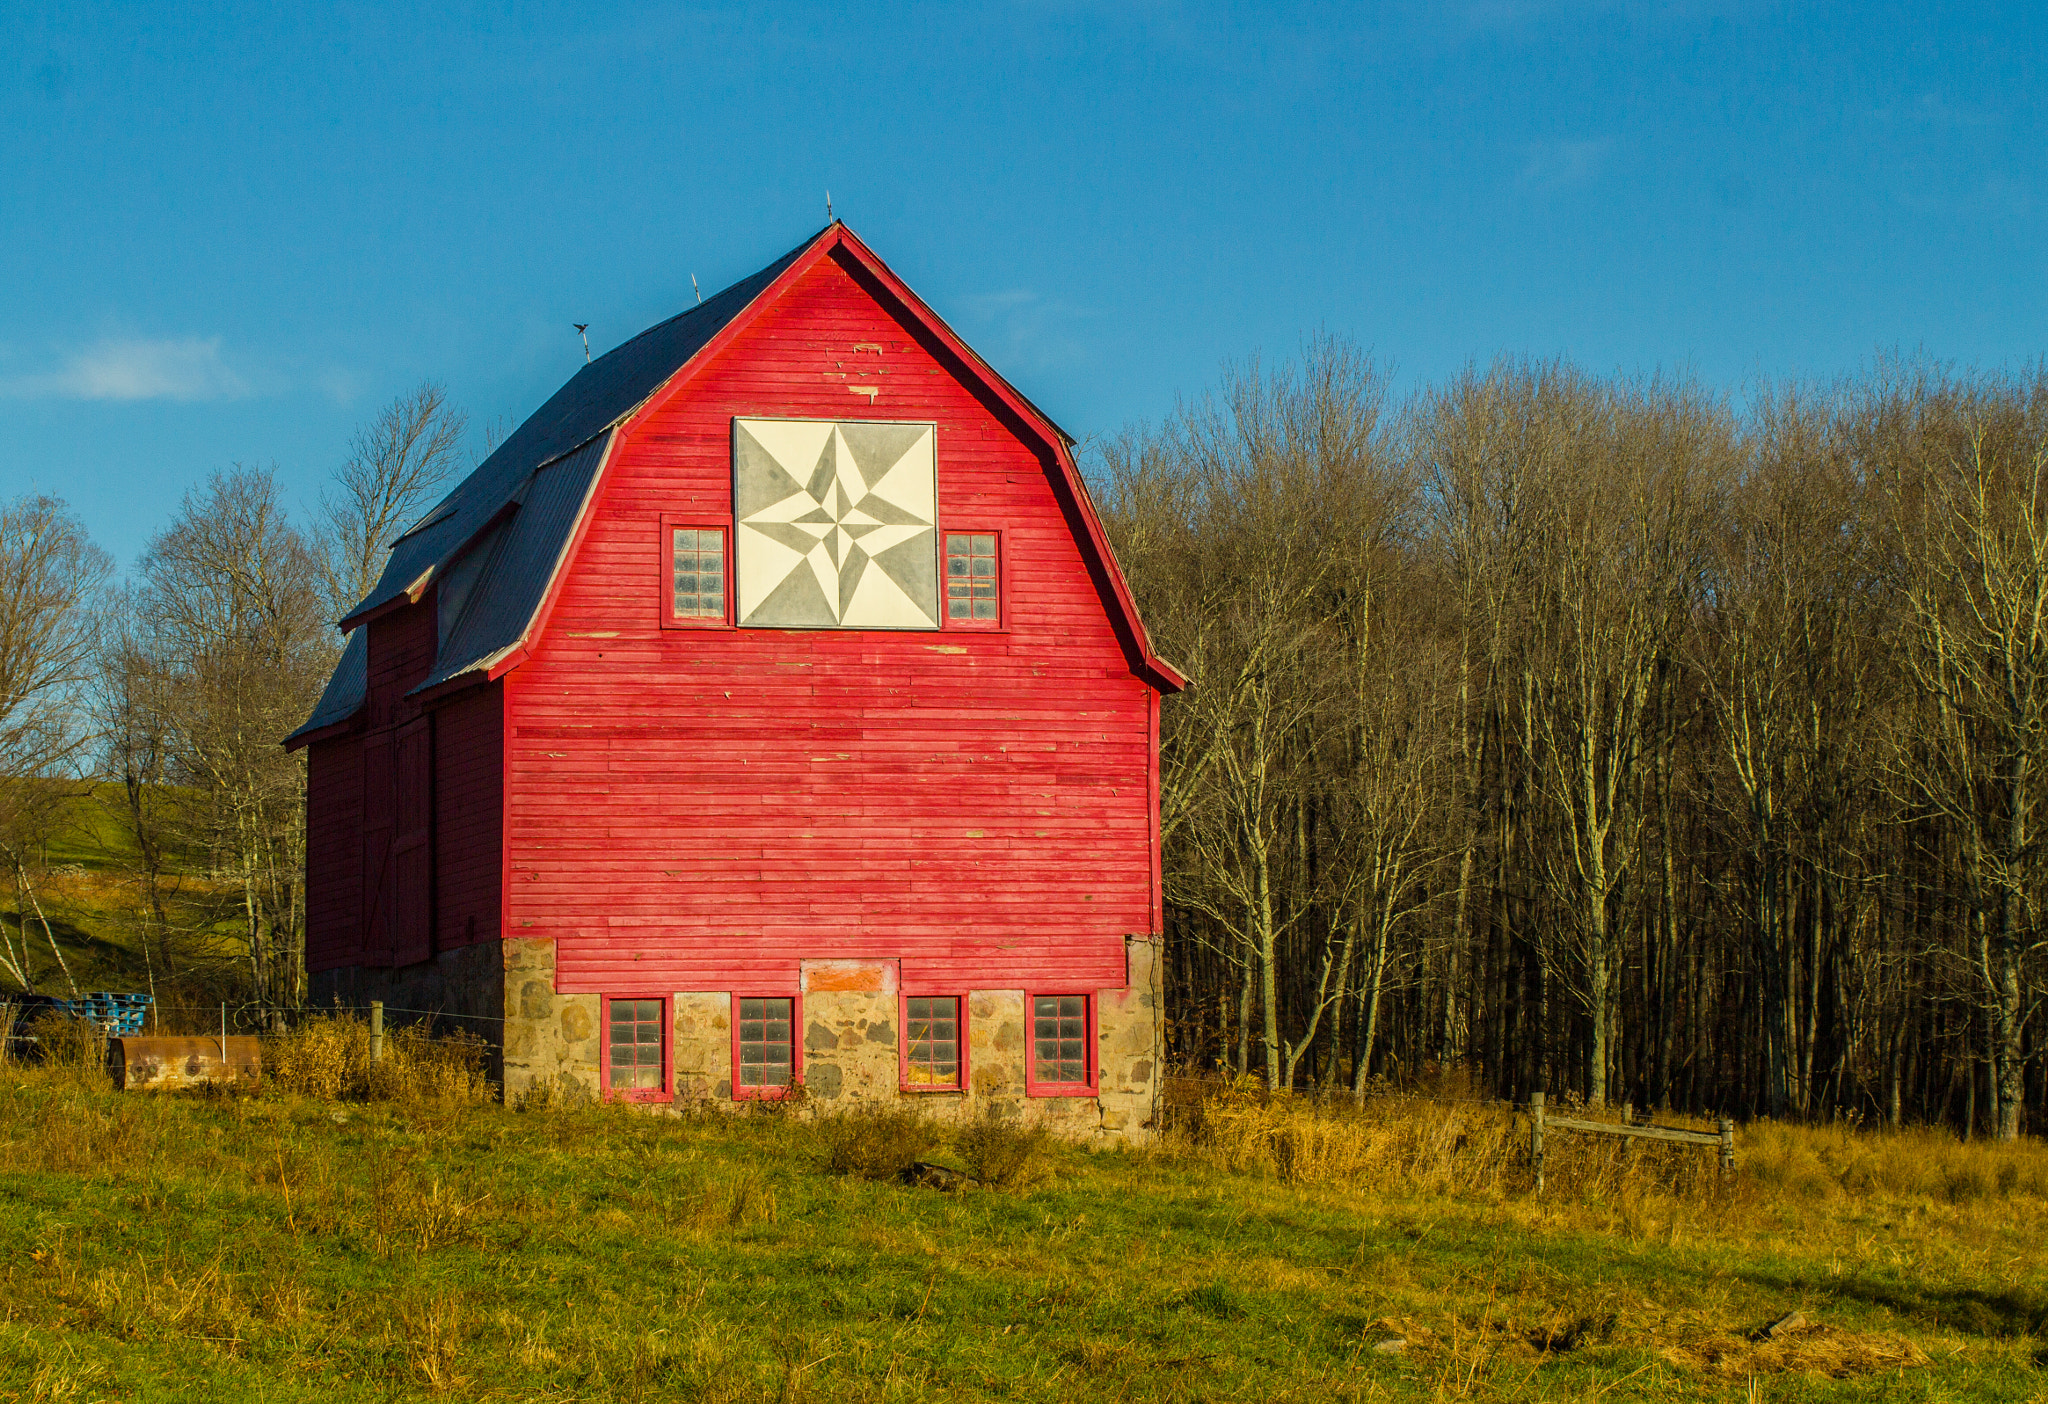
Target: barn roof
[[497, 542]]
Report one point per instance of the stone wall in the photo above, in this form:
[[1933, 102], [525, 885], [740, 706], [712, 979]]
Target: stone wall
[[850, 1024], [847, 1033], [549, 1037]]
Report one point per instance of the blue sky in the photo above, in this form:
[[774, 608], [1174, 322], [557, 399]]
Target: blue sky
[[231, 234]]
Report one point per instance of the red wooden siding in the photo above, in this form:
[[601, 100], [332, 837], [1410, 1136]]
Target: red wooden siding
[[699, 809], [469, 804], [334, 827], [403, 852], [412, 854], [402, 647], [380, 804]]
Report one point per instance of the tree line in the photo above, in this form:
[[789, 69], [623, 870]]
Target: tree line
[[1605, 736], [1597, 735], [147, 711]]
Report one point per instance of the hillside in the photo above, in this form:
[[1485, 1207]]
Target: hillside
[[88, 883], [285, 1247]]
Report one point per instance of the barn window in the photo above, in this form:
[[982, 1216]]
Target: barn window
[[697, 577], [973, 580], [934, 1050], [1062, 1055], [636, 1049], [764, 1047]]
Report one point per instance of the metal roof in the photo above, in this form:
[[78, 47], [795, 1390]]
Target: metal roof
[[345, 689], [496, 539], [596, 398], [489, 597]]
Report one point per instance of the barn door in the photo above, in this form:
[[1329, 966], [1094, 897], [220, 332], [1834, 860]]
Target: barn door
[[379, 794], [412, 849]]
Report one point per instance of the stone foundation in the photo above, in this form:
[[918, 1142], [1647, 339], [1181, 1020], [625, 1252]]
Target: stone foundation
[[549, 1037], [848, 1027], [847, 1034]]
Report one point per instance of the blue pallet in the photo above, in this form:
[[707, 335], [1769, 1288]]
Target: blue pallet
[[116, 1014]]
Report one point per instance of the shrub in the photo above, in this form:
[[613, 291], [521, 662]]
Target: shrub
[[64, 1042], [878, 1142], [1003, 1153], [328, 1056]]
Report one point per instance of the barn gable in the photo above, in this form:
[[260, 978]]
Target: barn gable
[[505, 531]]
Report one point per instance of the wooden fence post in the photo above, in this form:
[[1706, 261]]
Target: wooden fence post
[[376, 1030], [1536, 1137], [1727, 1147]]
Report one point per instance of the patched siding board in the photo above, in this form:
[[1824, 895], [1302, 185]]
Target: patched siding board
[[703, 809]]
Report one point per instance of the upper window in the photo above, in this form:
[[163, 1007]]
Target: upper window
[[696, 574], [1062, 1053], [932, 1047], [973, 581], [764, 1051], [636, 1034]]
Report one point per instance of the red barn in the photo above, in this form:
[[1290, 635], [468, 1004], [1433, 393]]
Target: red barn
[[768, 709]]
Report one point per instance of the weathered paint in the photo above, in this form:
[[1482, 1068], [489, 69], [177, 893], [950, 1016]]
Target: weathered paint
[[707, 808]]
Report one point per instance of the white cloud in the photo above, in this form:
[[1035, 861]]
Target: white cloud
[[184, 369]]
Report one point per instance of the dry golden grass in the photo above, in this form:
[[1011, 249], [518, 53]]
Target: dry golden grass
[[1456, 1145], [1893, 1217], [1003, 1154], [328, 1056], [1811, 1349], [394, 1240]]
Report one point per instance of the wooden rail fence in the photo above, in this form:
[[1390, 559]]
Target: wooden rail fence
[[1723, 1140]]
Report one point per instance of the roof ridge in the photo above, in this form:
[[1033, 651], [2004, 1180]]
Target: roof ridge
[[706, 302]]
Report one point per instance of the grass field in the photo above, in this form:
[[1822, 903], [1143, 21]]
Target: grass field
[[89, 887], [430, 1245]]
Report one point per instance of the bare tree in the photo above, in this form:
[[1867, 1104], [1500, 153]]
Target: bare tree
[[397, 464], [1622, 554], [131, 698], [50, 574], [231, 597], [1785, 657], [1973, 495]]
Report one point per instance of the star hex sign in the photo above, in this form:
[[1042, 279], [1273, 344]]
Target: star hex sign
[[836, 524]]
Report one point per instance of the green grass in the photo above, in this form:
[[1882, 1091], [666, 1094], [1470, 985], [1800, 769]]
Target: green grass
[[281, 1248], [88, 829], [87, 878]]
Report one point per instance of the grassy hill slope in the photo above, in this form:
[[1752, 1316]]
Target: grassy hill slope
[[89, 886], [285, 1247]]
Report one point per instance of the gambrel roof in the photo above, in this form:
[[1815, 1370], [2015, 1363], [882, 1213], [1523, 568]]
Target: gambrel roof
[[497, 544]]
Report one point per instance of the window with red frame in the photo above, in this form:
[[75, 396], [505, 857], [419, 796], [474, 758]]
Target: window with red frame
[[634, 1042], [697, 574], [931, 1042], [1060, 1040], [972, 580], [766, 1049]]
